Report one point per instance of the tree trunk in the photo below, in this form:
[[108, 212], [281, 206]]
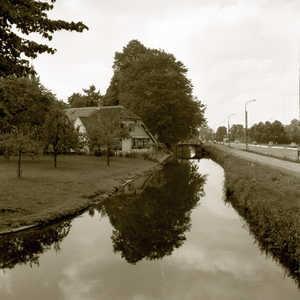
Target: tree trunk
[[108, 156], [19, 167], [55, 159]]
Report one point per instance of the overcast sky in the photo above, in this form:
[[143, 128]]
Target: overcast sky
[[235, 51]]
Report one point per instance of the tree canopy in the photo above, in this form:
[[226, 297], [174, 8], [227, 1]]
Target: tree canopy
[[58, 133], [27, 16], [153, 84], [268, 132], [90, 98], [23, 102], [293, 131], [221, 131]]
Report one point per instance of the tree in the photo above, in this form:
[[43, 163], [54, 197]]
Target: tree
[[23, 102], [17, 142], [106, 131], [293, 131], [278, 133], [221, 131], [206, 133], [153, 84], [268, 132], [27, 16], [58, 133], [91, 98]]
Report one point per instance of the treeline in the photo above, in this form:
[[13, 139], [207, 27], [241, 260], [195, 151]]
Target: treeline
[[262, 133], [275, 132]]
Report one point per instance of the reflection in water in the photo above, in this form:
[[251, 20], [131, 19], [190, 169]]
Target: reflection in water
[[153, 224], [213, 257], [188, 152], [268, 245], [26, 247]]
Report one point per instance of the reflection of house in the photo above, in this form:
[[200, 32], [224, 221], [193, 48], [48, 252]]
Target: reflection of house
[[136, 186], [141, 138]]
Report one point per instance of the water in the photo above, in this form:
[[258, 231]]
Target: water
[[175, 240]]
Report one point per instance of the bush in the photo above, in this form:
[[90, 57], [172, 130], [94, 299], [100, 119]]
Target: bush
[[146, 156]]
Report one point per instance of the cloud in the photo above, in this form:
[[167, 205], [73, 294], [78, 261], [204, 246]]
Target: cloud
[[5, 283]]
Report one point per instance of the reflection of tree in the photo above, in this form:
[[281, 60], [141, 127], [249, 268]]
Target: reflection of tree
[[153, 224], [26, 247]]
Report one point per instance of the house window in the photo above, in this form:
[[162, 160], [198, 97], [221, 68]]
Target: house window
[[131, 127], [140, 143]]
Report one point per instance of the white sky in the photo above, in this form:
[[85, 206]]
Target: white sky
[[235, 50]]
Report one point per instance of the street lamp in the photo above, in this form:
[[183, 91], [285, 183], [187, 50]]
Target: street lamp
[[220, 126], [229, 129], [246, 121]]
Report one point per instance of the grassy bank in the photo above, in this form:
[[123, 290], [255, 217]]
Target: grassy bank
[[269, 202], [44, 193]]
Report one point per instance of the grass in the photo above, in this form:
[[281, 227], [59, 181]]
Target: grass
[[269, 202], [282, 157], [44, 193]]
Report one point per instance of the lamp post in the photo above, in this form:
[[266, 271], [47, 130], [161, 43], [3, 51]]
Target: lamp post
[[229, 129], [220, 126], [246, 122]]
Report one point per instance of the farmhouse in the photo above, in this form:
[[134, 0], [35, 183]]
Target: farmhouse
[[140, 140]]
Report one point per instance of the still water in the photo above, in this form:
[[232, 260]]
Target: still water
[[170, 236]]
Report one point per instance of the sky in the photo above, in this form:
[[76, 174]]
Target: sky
[[235, 51]]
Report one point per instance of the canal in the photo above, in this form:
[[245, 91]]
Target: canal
[[169, 236]]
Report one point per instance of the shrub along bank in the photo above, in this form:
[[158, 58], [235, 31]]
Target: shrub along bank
[[269, 202]]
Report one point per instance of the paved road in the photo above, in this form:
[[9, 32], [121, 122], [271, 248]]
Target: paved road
[[285, 166], [278, 151]]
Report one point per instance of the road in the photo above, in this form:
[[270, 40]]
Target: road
[[279, 151], [285, 166]]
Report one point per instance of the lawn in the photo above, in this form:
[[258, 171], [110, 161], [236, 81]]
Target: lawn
[[45, 193]]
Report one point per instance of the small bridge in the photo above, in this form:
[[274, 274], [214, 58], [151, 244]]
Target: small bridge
[[190, 151]]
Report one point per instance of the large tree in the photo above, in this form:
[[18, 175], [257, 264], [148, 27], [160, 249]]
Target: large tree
[[27, 16], [153, 84], [23, 102]]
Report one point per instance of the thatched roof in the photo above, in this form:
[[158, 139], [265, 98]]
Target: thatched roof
[[113, 111], [106, 111]]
